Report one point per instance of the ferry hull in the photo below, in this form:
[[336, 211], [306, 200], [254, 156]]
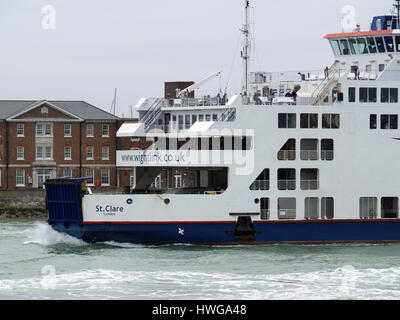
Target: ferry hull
[[223, 233]]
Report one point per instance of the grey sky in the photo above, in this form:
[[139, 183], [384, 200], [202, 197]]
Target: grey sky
[[135, 46]]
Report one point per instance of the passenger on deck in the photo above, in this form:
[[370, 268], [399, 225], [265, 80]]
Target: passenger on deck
[[271, 96], [326, 71], [357, 73], [288, 94], [294, 95]]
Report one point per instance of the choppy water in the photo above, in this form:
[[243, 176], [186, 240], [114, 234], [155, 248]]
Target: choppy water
[[39, 263]]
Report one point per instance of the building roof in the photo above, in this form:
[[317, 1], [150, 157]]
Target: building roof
[[81, 109]]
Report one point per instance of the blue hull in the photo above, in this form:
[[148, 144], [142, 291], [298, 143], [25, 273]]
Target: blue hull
[[269, 232]]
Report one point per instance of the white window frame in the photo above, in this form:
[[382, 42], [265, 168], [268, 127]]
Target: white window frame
[[105, 133], [106, 182], [67, 153], [20, 153], [88, 156], [90, 132], [44, 129], [105, 155], [39, 155], [48, 155], [178, 181], [67, 172], [67, 130], [20, 130], [18, 173], [91, 176]]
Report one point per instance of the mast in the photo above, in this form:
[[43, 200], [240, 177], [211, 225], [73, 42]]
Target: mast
[[245, 54]]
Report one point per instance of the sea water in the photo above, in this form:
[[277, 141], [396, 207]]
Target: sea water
[[37, 262]]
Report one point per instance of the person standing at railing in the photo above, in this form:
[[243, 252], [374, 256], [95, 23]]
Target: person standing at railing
[[326, 71], [357, 73]]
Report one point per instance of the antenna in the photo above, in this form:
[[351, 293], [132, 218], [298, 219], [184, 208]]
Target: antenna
[[114, 102], [397, 7], [245, 54]]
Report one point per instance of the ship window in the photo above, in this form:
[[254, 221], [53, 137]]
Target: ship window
[[362, 46], [352, 94], [345, 47], [353, 46], [309, 120], [264, 208], [201, 117], [286, 179], [335, 47], [311, 208], [367, 94], [371, 45], [180, 122], [381, 67], [389, 207], [262, 181], [330, 121], [389, 43], [286, 208], [368, 207], [309, 149], [393, 95], [380, 45], [187, 121], [327, 208], [389, 121], [384, 95], [309, 179], [326, 149], [194, 118], [286, 120], [397, 43], [372, 121], [288, 151]]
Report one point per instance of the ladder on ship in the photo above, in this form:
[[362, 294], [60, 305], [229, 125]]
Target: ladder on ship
[[152, 114], [323, 89]]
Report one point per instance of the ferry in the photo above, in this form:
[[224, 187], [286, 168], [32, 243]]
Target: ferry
[[297, 157]]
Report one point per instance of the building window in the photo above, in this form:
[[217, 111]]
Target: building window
[[90, 176], [352, 94], [105, 153], [89, 130], [48, 152], [327, 208], [39, 152], [89, 153], [389, 121], [105, 130], [330, 121], [105, 177], [44, 129], [368, 207], [67, 153], [67, 130], [367, 94], [178, 180], [68, 173], [286, 120], [20, 153], [20, 177], [309, 120], [20, 130], [372, 121]]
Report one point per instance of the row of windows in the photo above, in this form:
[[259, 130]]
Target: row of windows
[[388, 95], [46, 129], [187, 120], [314, 208], [104, 176], [368, 45], [309, 120], [309, 150], [387, 121], [46, 153], [286, 180]]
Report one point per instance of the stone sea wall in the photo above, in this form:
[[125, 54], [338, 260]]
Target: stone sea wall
[[22, 204]]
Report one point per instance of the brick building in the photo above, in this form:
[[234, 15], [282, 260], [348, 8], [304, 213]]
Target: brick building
[[43, 139]]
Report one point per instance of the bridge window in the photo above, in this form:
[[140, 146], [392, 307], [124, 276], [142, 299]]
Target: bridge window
[[311, 208], [345, 47], [335, 47], [368, 207], [380, 44], [389, 43], [330, 121], [353, 46], [389, 207], [371, 45], [288, 151], [389, 121], [362, 46], [286, 208]]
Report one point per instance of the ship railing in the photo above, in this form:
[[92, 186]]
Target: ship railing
[[286, 184], [326, 154], [287, 213], [264, 214], [260, 185], [287, 155], [309, 154], [309, 184]]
